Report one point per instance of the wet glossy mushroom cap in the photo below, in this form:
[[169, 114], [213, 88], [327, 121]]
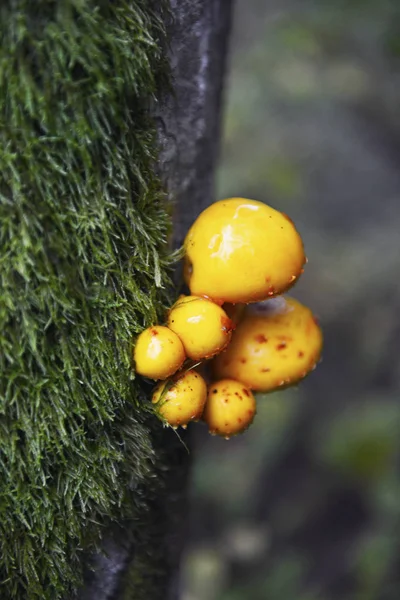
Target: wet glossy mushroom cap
[[241, 250], [158, 353], [203, 327]]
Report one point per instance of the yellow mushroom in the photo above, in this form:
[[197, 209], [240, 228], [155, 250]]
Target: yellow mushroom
[[241, 250], [230, 408], [158, 353], [181, 399], [277, 343], [203, 327]]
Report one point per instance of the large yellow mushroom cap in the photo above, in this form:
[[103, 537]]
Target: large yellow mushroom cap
[[277, 343], [203, 327], [230, 407], [158, 353], [241, 250], [182, 399]]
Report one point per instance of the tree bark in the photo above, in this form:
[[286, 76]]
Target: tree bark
[[189, 118], [188, 121]]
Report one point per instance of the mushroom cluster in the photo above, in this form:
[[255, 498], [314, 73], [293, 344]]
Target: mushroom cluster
[[240, 257]]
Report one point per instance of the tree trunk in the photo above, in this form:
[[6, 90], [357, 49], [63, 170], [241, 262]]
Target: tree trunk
[[189, 130]]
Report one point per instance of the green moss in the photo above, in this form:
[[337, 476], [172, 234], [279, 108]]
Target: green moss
[[84, 266]]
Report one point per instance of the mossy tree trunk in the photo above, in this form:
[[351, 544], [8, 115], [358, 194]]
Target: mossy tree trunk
[[188, 123], [83, 230]]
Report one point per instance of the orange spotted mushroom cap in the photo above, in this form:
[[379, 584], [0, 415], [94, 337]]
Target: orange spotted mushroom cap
[[277, 343], [181, 399], [230, 408]]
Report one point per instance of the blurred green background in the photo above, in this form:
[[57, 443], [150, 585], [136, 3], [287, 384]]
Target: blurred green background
[[306, 504]]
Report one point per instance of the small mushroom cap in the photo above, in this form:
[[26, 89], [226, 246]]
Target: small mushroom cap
[[203, 327], [230, 407], [158, 353], [182, 399], [277, 343], [241, 250]]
